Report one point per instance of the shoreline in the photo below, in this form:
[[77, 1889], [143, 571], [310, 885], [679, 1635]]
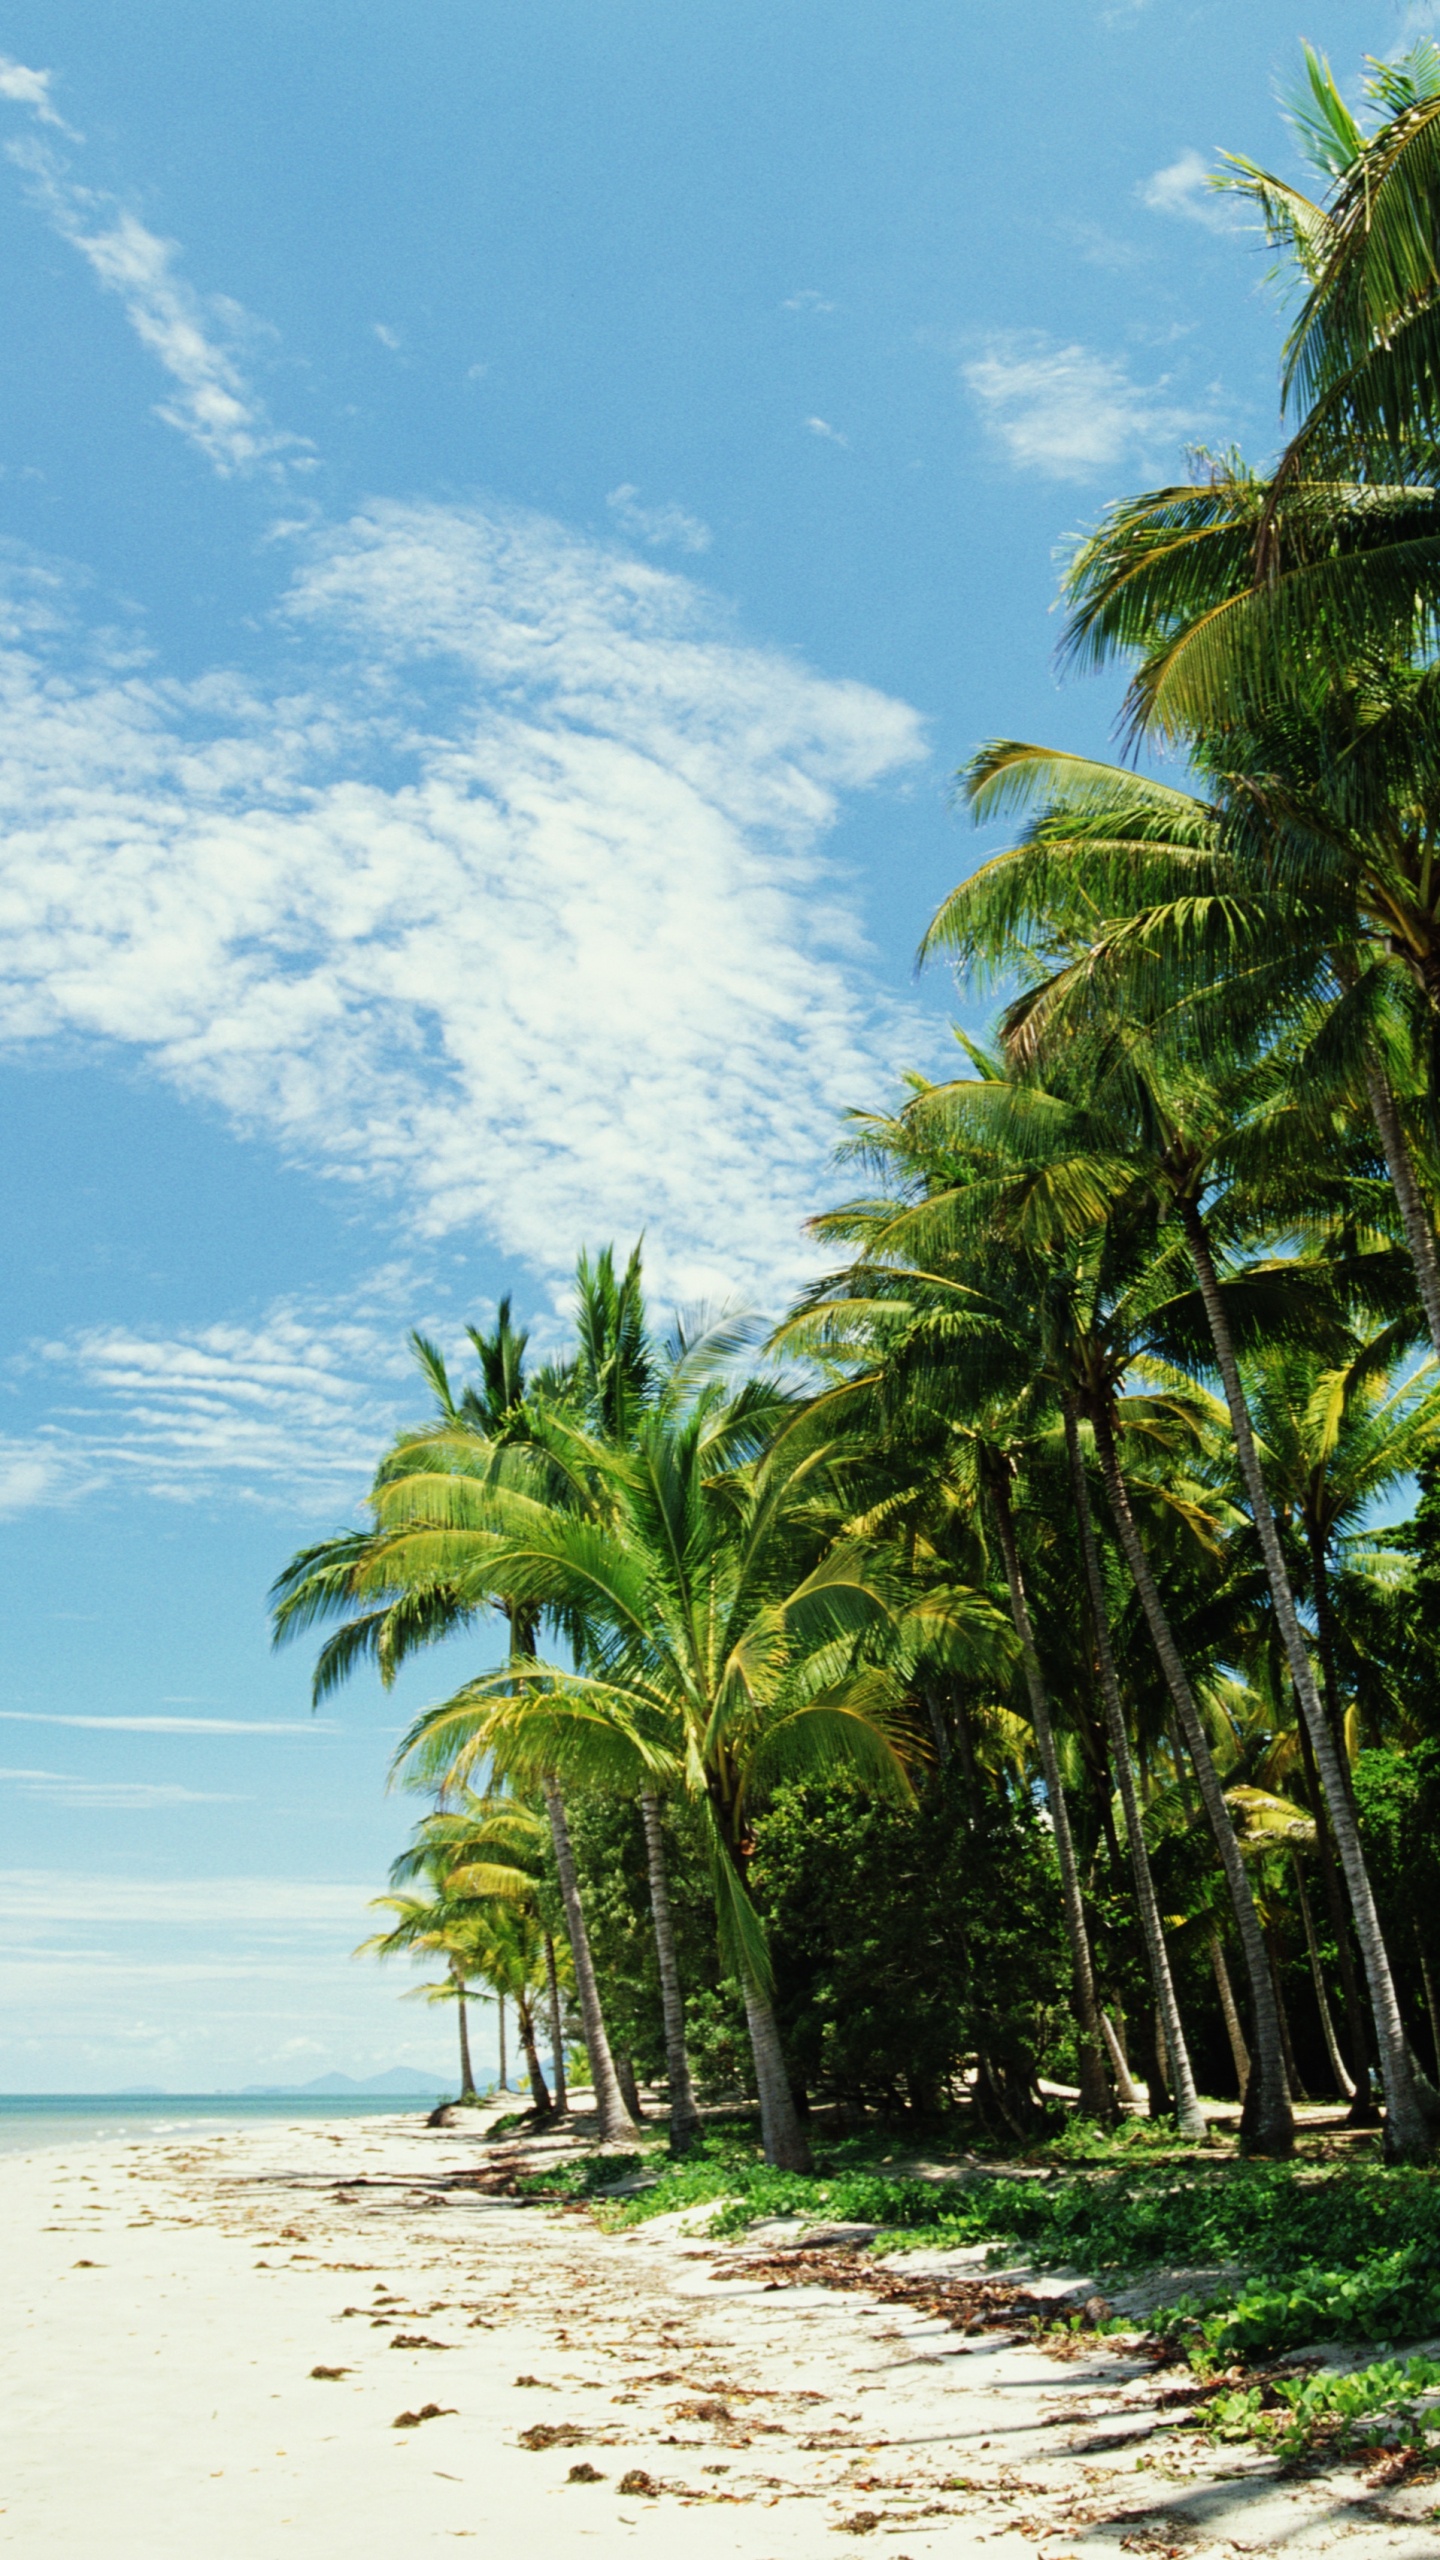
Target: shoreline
[[327, 2335], [43, 2121]]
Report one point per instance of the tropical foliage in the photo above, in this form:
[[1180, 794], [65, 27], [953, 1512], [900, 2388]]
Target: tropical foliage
[[1014, 1670]]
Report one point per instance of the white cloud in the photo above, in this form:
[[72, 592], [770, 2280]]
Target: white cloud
[[1183, 187], [390, 338], [34, 1474], [807, 300], [658, 527], [193, 338], [511, 901], [287, 1408], [106, 1795], [1068, 413], [26, 88], [286, 1412], [830, 435]]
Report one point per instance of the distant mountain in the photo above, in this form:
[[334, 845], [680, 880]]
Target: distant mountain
[[402, 2082]]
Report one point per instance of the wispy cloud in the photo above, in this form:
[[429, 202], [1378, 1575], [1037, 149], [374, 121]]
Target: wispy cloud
[[1183, 188], [808, 300], [287, 1413], [27, 88], [829, 435], [34, 1474], [286, 1410], [513, 902], [195, 339], [1070, 413], [658, 527], [107, 1795]]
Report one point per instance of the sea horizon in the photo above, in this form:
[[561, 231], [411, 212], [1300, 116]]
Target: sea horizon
[[33, 2120]]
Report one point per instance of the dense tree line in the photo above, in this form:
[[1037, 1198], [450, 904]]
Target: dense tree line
[[1017, 1667]]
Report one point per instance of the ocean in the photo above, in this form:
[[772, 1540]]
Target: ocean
[[34, 2123]]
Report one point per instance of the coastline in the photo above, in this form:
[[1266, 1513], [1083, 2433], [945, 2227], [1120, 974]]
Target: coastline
[[220, 2334], [42, 2121]]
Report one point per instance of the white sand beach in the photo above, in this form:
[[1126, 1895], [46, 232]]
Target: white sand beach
[[210, 2343]]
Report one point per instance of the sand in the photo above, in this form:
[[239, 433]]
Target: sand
[[208, 2342]]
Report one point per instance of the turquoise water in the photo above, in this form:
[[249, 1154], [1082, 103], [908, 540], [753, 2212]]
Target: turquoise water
[[30, 2124]]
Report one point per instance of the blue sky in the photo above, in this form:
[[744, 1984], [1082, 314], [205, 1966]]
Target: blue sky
[[511, 517]]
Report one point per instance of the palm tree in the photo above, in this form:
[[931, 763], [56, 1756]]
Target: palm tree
[[409, 1582], [990, 1207], [1238, 592], [1189, 2114], [1186, 1135], [936, 1301], [490, 1850], [1301, 903], [726, 1651], [619, 1374], [1336, 1439], [450, 1926]]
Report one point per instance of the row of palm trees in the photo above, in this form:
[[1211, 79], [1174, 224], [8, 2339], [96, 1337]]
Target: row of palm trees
[[1135, 1319]]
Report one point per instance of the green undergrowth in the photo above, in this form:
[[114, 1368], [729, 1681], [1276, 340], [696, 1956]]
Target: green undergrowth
[[1390, 2403], [1389, 2293], [1345, 2252]]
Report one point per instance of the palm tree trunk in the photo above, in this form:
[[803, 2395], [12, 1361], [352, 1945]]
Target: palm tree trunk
[[467, 2076], [965, 1746], [1343, 2081], [625, 2074], [1408, 2129], [781, 2131], [1189, 2114], [1299, 2095], [1419, 1230], [1362, 2105], [1268, 2124], [1128, 2088], [684, 2114], [557, 2030], [613, 2121], [938, 1726], [1095, 2099], [1317, 1543], [1431, 2010], [1239, 2050], [539, 2094], [504, 2067], [1162, 2058]]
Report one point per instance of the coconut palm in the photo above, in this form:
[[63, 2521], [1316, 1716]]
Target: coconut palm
[[728, 1634], [980, 1218], [406, 1583], [619, 1374], [450, 1926], [490, 1849], [1238, 593], [1196, 1138], [1300, 903]]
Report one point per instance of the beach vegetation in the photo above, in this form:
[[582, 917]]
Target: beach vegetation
[[990, 1708]]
